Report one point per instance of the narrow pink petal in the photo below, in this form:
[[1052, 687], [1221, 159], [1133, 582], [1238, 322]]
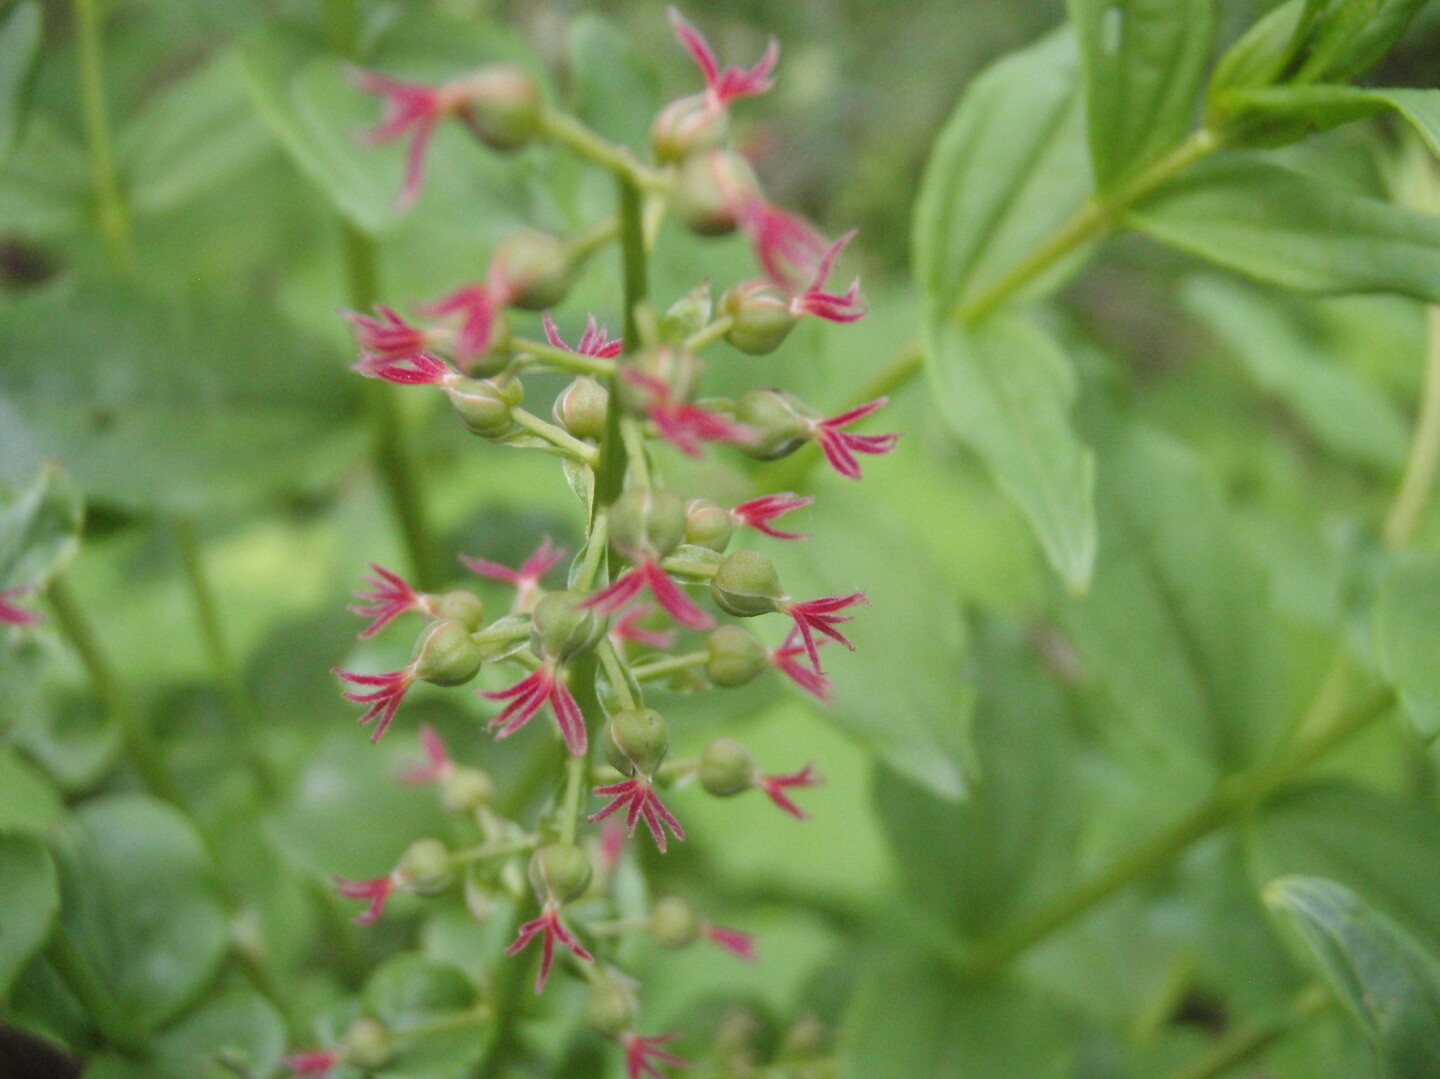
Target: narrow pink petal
[[696, 45], [845, 419], [741, 945], [569, 718], [668, 594]]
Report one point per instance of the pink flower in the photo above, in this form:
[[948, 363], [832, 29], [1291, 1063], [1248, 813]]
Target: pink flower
[[821, 614], [384, 699], [594, 342], [553, 929], [389, 337], [421, 369], [741, 945], [527, 578], [647, 573], [775, 787], [835, 307], [410, 110], [11, 615], [786, 660], [840, 447], [790, 252], [477, 309], [759, 512], [723, 87], [612, 845], [638, 799], [437, 762], [626, 629], [377, 891], [317, 1063], [527, 697], [683, 425], [641, 1055], [389, 597]]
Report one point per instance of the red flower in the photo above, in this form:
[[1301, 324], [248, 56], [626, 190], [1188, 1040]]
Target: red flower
[[477, 309], [789, 251], [638, 799], [594, 342], [384, 699], [421, 369], [741, 945], [437, 761], [317, 1063], [553, 929], [527, 578], [723, 87], [836, 307], [625, 629], [647, 573], [641, 1054], [11, 615], [526, 698], [388, 599], [820, 614], [377, 891], [786, 660], [683, 425], [413, 110], [389, 337], [775, 787], [612, 845], [759, 512], [840, 447]]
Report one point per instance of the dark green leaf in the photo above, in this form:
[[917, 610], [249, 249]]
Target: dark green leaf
[[1383, 977], [39, 530], [1284, 113], [1407, 638], [20, 34], [1144, 65], [1005, 388], [1351, 36], [32, 897]]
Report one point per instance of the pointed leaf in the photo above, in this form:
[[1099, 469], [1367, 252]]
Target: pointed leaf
[[39, 530], [1407, 638], [32, 897]]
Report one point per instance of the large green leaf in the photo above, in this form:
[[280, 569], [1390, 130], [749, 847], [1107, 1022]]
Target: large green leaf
[[1284, 113], [1294, 230], [1381, 974], [1407, 638], [139, 905], [1005, 388], [19, 50], [39, 529], [1009, 168], [32, 897], [1144, 65]]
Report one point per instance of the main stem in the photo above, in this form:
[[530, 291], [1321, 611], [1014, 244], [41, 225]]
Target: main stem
[[104, 179]]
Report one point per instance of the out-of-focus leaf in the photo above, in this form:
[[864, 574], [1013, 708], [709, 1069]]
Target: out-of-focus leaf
[[28, 801], [1280, 114], [237, 1032], [32, 896], [39, 530], [1144, 65], [1350, 36], [1009, 168], [1261, 54], [616, 87], [1345, 411], [1407, 638], [1381, 974], [139, 905], [1005, 388], [1294, 230], [19, 49], [69, 735], [411, 992]]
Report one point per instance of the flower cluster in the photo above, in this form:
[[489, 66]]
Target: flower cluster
[[631, 612]]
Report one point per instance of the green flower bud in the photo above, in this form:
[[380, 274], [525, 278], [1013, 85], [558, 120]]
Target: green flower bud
[[762, 317], [461, 606], [674, 923], [636, 740], [647, 521], [464, 790], [611, 1009], [504, 106], [425, 867], [686, 126], [562, 627], [367, 1045], [726, 768], [708, 525], [780, 422], [746, 584], [537, 269], [581, 408], [484, 405], [445, 655], [687, 315], [711, 191], [559, 871], [735, 656]]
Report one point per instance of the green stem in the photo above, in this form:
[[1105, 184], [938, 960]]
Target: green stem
[[648, 672], [615, 672], [575, 769], [501, 848], [634, 440], [589, 240], [708, 335], [559, 357], [114, 215], [1252, 1039], [576, 137], [1420, 469], [101, 1009], [594, 551], [560, 439]]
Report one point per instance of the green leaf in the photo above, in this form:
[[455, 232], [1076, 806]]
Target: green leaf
[[1280, 114], [1260, 55], [615, 86], [1005, 388], [32, 896], [39, 530], [412, 997], [28, 800], [1010, 167], [1383, 977], [1290, 229], [1144, 64], [139, 905], [1350, 37], [1407, 638], [235, 1033], [1346, 412], [20, 40]]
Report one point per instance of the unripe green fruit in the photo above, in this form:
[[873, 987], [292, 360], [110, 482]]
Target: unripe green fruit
[[562, 627], [688, 314], [537, 269], [425, 867], [611, 1009], [686, 126], [559, 871], [735, 656], [464, 790], [446, 656], [367, 1045], [726, 768], [746, 584], [647, 521], [779, 421], [484, 405], [708, 525], [674, 923], [504, 106], [761, 314], [461, 606], [636, 740], [712, 190], [581, 408]]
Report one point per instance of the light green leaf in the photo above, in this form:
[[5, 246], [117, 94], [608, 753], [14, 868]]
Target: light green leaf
[[1010, 167], [32, 896], [1285, 113], [20, 39], [1144, 65], [1407, 638], [1005, 389], [412, 992], [1294, 230], [235, 1033], [1383, 977], [39, 530], [28, 800]]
